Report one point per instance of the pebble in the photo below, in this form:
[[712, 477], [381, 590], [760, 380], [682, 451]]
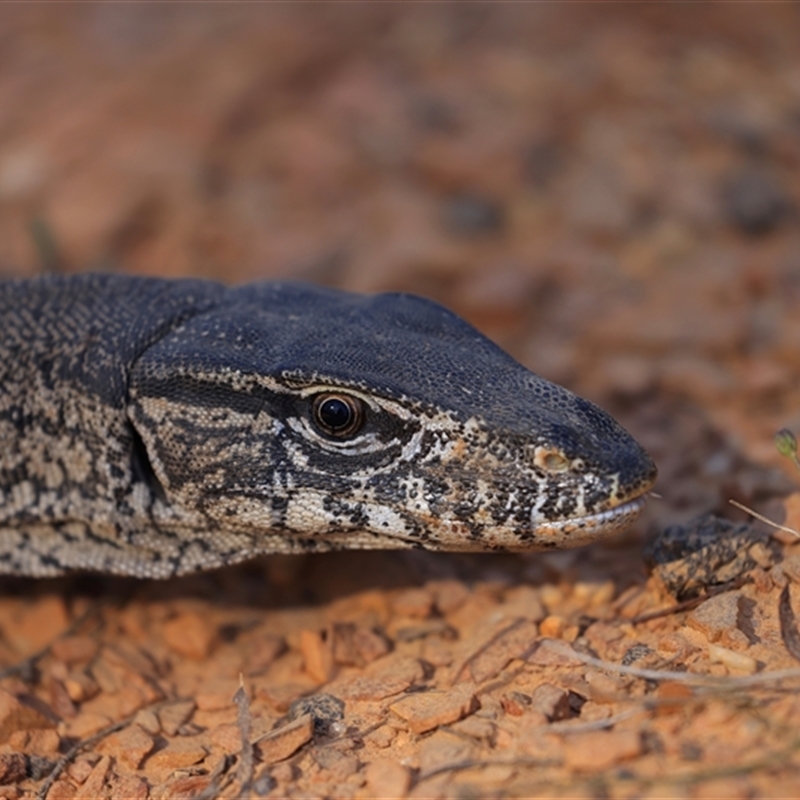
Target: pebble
[[754, 200], [317, 654], [469, 214], [449, 595], [12, 767], [181, 752], [216, 695], [551, 701], [494, 655], [414, 603], [190, 635], [735, 662], [716, 615], [284, 741], [37, 741], [441, 749], [325, 710], [129, 746], [387, 779], [180, 786], [355, 645], [75, 649], [424, 711], [598, 751], [16, 716], [175, 715], [93, 787]]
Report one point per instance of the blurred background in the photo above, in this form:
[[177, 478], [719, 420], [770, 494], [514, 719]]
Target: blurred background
[[610, 191]]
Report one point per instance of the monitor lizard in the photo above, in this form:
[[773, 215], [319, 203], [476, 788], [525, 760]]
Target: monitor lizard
[[155, 427]]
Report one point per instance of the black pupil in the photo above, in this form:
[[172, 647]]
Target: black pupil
[[335, 413]]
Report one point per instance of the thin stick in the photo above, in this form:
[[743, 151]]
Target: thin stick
[[764, 519]]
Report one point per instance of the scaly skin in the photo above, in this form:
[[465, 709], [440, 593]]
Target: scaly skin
[[153, 428]]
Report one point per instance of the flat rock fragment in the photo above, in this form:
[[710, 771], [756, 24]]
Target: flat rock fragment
[[284, 741], [424, 711]]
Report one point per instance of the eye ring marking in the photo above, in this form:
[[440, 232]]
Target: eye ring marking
[[338, 415]]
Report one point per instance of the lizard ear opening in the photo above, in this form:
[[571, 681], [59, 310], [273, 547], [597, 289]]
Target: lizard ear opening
[[141, 469]]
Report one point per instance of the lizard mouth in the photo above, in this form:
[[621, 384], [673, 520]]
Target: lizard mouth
[[558, 534], [577, 531]]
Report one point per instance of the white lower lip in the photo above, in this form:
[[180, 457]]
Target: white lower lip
[[582, 530]]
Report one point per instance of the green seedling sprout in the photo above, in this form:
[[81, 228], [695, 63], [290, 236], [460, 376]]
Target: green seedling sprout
[[786, 443]]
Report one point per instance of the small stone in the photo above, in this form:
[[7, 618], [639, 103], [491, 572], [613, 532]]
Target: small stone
[[16, 716], [673, 698], [62, 789], [226, 737], [283, 773], [442, 749], [553, 653], [755, 201], [262, 652], [525, 602], [475, 727], [12, 767], [386, 778], [75, 649], [415, 603], [86, 724], [716, 615], [425, 711], [93, 787], [284, 741], [217, 694], [553, 626], [81, 686], [82, 767], [190, 635], [129, 747], [148, 721], [469, 214], [552, 701], [178, 754], [604, 688], [325, 710], [317, 656], [281, 696], [336, 765], [791, 568], [39, 625], [735, 662], [39, 741], [354, 645], [600, 750], [364, 687], [515, 704], [448, 595], [181, 786], [494, 656], [174, 715], [130, 787]]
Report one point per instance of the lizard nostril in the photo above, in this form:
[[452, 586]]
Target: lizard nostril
[[550, 460]]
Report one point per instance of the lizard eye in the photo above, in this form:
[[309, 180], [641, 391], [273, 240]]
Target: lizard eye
[[337, 414]]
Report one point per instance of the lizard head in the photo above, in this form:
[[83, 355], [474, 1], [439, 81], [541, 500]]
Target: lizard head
[[309, 419]]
